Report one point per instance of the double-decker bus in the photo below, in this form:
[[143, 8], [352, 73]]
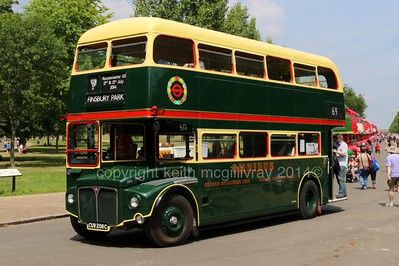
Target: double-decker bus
[[171, 128]]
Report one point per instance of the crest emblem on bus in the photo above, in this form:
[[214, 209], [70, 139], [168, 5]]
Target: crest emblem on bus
[[177, 90], [93, 83]]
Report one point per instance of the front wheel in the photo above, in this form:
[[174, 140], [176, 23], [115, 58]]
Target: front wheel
[[172, 222], [309, 200], [82, 230]]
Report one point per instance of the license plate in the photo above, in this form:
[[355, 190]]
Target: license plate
[[98, 227]]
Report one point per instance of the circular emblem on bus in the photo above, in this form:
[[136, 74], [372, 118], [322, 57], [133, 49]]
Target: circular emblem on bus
[[177, 90]]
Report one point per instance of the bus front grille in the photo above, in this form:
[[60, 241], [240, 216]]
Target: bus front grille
[[98, 204]]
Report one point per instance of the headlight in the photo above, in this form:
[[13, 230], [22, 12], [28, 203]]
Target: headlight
[[71, 198], [134, 202]]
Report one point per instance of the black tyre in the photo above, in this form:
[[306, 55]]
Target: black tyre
[[172, 222], [82, 230], [309, 200]]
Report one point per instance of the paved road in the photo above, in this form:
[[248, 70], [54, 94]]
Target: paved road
[[359, 231]]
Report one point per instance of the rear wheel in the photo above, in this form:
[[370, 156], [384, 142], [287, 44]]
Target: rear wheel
[[172, 222], [309, 200], [82, 230]]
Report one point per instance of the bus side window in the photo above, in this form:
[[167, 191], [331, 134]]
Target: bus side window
[[128, 51], [249, 64], [253, 144], [282, 145], [173, 51], [278, 68], [309, 143], [327, 78], [305, 75], [218, 146], [215, 58]]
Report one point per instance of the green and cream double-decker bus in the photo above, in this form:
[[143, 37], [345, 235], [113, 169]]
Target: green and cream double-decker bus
[[171, 128]]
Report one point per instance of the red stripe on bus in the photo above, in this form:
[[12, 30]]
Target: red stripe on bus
[[145, 113]]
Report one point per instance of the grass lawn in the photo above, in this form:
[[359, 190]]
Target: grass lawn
[[42, 171]]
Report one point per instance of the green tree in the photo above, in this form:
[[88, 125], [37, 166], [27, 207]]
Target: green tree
[[240, 22], [394, 127], [6, 6], [32, 67], [209, 14], [355, 101], [70, 18]]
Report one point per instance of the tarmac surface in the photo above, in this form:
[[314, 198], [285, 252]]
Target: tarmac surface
[[359, 231]]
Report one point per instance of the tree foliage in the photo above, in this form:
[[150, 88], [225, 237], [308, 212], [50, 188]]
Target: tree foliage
[[240, 22], [394, 127], [355, 101], [32, 69], [210, 14], [6, 6], [70, 18]]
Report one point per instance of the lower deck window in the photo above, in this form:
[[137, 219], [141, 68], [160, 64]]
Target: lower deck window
[[309, 143], [253, 145], [282, 145], [82, 147], [218, 146], [176, 146], [122, 142]]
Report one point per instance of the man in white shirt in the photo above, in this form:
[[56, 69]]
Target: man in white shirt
[[341, 150]]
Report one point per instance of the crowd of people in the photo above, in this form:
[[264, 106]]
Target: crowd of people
[[355, 161]]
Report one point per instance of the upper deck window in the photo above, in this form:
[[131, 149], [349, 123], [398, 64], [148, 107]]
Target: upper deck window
[[278, 68], [250, 64], [128, 51], [327, 78], [91, 56], [173, 51], [215, 58], [305, 75]]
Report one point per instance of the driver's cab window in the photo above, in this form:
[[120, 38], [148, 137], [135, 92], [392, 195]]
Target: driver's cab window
[[122, 142]]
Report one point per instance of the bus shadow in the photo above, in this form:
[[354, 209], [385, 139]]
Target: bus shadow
[[136, 238], [264, 222]]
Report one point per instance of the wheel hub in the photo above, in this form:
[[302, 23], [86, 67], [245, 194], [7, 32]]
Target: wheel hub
[[172, 221]]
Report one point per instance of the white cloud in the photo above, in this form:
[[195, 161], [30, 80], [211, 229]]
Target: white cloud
[[270, 17], [120, 8]]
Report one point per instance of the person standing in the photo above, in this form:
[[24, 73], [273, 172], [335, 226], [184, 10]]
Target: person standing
[[341, 151], [373, 172], [364, 161], [393, 173]]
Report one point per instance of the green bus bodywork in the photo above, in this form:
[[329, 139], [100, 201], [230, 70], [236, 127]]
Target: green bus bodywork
[[214, 200]]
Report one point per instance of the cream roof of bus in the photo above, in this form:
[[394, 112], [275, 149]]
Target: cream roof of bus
[[141, 25]]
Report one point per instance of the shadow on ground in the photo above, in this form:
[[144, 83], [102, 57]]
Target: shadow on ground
[[136, 238]]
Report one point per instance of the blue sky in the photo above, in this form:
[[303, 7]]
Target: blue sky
[[360, 36]]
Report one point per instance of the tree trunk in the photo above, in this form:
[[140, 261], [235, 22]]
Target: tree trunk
[[57, 138], [48, 140], [12, 154]]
